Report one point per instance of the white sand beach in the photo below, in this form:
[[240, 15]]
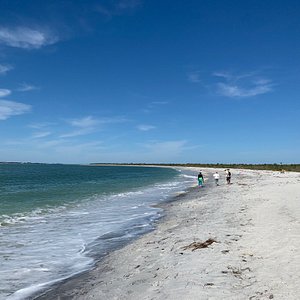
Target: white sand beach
[[252, 230]]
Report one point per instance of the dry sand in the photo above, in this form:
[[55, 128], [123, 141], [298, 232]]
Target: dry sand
[[254, 227]]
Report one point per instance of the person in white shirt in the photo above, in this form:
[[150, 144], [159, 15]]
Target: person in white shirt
[[216, 177]]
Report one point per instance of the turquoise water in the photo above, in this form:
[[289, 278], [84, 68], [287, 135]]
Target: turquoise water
[[25, 187], [57, 220]]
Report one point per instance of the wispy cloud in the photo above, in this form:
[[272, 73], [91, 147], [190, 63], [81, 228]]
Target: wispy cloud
[[194, 77], [90, 121], [84, 126], [72, 148], [80, 148], [243, 85], [26, 38], [237, 91], [51, 143], [145, 127], [84, 122], [234, 77], [78, 132], [127, 4], [42, 134], [115, 8], [4, 69], [89, 124], [153, 105], [12, 108], [170, 148], [41, 130], [4, 92], [223, 74], [24, 87], [40, 125]]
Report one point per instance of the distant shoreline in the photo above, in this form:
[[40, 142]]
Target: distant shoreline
[[270, 167]]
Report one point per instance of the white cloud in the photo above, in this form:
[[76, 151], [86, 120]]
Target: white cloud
[[145, 127], [4, 69], [89, 121], [89, 124], [40, 125], [230, 90], [24, 87], [79, 132], [26, 38], [233, 78], [11, 108], [39, 135], [84, 122], [262, 81], [4, 92], [86, 125], [223, 74], [243, 85]]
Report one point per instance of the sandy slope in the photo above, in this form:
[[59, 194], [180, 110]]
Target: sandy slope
[[256, 225]]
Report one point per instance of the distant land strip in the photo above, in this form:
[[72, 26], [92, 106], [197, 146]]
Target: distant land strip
[[271, 167]]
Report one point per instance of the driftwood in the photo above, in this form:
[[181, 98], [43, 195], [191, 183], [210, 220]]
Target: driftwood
[[198, 245]]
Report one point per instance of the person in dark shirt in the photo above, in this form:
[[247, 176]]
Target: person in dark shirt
[[228, 176], [200, 179]]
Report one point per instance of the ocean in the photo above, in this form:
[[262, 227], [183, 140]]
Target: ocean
[[58, 220]]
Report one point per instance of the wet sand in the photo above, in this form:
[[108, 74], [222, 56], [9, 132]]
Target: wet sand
[[237, 241]]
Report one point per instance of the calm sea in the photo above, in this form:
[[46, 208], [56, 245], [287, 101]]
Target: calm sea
[[58, 220]]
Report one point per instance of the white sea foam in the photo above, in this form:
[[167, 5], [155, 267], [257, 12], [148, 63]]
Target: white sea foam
[[188, 176], [26, 292], [180, 193]]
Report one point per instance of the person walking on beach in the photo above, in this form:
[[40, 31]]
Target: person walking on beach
[[216, 177], [228, 176], [200, 179]]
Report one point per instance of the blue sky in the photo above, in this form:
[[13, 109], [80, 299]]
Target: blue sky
[[150, 81]]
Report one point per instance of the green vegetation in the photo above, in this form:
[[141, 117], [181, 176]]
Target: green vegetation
[[271, 167]]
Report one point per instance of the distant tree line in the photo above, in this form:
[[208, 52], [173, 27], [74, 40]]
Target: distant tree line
[[271, 167]]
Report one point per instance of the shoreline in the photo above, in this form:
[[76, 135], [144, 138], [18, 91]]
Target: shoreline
[[254, 224], [67, 288]]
